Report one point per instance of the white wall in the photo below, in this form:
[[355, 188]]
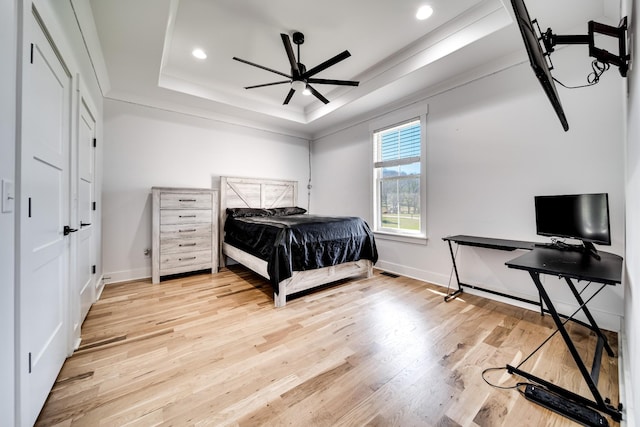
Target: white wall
[[632, 271], [146, 147], [8, 43], [491, 146]]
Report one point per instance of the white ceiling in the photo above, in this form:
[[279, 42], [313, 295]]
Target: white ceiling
[[147, 44]]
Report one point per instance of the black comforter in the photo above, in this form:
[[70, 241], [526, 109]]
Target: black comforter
[[301, 242]]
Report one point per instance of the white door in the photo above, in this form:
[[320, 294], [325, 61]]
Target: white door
[[44, 211], [85, 290]]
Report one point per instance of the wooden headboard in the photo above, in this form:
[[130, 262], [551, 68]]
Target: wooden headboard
[[254, 193]]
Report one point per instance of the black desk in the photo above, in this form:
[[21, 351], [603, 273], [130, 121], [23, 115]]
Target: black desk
[[489, 243], [573, 266]]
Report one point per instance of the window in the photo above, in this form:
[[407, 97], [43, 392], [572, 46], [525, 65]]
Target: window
[[398, 171]]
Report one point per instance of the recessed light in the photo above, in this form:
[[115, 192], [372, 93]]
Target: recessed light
[[424, 12], [199, 53]]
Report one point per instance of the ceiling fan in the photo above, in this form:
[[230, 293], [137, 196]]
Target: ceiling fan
[[301, 78]]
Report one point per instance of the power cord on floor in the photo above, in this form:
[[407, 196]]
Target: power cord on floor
[[512, 387]]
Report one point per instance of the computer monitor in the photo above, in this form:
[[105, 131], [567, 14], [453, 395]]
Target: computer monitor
[[577, 216]]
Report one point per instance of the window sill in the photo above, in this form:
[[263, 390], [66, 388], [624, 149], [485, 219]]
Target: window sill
[[417, 239]]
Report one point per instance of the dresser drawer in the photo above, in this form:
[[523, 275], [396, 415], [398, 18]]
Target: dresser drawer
[[181, 231], [185, 201], [185, 216], [198, 260], [169, 246]]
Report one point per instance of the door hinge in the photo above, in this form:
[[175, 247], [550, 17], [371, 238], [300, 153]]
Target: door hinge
[[31, 59], [93, 206], [93, 269], [29, 362], [95, 142]]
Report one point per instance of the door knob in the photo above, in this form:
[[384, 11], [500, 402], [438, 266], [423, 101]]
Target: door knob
[[68, 230], [84, 224]]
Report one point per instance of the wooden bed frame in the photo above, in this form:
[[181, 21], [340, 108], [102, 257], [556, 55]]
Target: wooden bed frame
[[266, 193]]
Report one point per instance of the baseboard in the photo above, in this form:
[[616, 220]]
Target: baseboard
[[99, 286], [414, 273], [624, 381], [126, 275]]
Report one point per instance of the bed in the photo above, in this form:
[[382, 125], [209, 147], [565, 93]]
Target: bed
[[248, 203]]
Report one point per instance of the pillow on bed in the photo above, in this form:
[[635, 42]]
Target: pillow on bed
[[248, 212], [293, 210]]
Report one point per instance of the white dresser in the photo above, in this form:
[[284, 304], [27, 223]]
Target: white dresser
[[185, 231]]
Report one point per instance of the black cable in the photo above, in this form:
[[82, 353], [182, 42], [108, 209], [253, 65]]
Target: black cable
[[563, 323], [500, 386], [309, 183], [598, 68]]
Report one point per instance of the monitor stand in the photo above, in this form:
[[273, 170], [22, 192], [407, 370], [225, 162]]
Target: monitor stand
[[589, 249]]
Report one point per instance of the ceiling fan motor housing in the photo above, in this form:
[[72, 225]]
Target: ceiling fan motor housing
[[298, 37], [301, 70]]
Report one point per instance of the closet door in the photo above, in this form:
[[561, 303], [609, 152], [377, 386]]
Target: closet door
[[44, 212], [84, 289]]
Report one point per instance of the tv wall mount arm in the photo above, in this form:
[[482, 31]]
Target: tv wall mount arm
[[621, 60]]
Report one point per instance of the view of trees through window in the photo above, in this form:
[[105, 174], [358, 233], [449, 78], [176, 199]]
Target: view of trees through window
[[398, 177]]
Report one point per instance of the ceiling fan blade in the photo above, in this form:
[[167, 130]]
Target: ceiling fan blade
[[263, 67], [326, 64], [334, 82], [292, 59], [289, 95], [317, 94], [268, 84]]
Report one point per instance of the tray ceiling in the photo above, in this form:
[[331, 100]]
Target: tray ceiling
[[147, 47]]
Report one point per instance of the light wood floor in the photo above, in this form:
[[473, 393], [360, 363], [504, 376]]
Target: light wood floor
[[212, 350]]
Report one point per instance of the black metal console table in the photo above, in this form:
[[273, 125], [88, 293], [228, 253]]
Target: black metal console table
[[489, 243], [582, 267]]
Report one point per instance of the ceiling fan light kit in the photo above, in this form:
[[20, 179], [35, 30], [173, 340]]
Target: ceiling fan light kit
[[298, 85], [299, 77]]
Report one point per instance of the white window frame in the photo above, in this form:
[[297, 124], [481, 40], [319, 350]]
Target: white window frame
[[397, 118]]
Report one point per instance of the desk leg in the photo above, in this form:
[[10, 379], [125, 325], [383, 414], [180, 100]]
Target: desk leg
[[599, 403], [541, 306], [453, 294], [594, 326]]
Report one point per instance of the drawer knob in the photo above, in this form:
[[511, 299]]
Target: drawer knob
[[186, 259], [186, 216], [191, 230], [186, 244], [187, 200]]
